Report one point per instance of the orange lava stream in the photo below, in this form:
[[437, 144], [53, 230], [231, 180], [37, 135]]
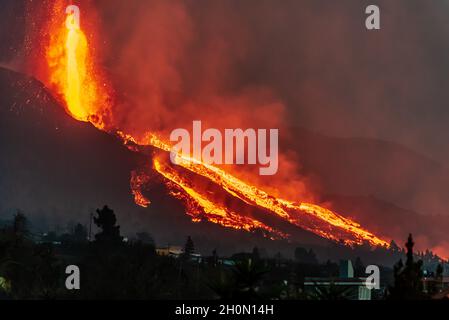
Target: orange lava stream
[[137, 181], [74, 77], [294, 213], [212, 211]]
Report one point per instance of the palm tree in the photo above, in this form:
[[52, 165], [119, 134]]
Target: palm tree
[[331, 292], [242, 283]]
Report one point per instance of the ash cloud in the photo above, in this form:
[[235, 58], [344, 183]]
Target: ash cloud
[[314, 56], [294, 64], [12, 32], [288, 65], [173, 62]]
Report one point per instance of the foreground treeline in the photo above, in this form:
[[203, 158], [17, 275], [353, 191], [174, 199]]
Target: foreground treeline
[[111, 268]]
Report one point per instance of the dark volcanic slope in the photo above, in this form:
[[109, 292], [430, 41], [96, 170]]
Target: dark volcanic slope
[[59, 169], [52, 163]]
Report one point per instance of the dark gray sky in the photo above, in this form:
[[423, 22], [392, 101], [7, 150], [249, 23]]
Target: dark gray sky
[[339, 79]]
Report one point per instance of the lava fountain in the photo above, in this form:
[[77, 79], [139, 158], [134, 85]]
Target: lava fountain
[[71, 69]]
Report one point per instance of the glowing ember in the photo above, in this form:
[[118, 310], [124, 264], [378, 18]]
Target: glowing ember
[[72, 74], [138, 180]]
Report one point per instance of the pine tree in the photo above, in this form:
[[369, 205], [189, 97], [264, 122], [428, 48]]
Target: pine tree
[[20, 225], [439, 271], [394, 247], [408, 278], [189, 247], [304, 256], [214, 257], [359, 268], [79, 233], [255, 255], [409, 245], [145, 238], [438, 279]]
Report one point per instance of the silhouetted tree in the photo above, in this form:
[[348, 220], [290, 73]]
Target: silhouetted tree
[[304, 256], [439, 271], [189, 247], [278, 259], [255, 255], [50, 237], [214, 257], [145, 238], [409, 245], [77, 235], [20, 225], [28, 270], [437, 284], [408, 278], [394, 247], [331, 292], [110, 232], [242, 283], [80, 233], [359, 268]]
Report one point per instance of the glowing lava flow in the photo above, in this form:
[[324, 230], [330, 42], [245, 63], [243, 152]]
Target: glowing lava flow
[[72, 74], [213, 212], [138, 180], [307, 216]]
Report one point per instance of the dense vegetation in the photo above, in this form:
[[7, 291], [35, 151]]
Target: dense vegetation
[[112, 268]]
